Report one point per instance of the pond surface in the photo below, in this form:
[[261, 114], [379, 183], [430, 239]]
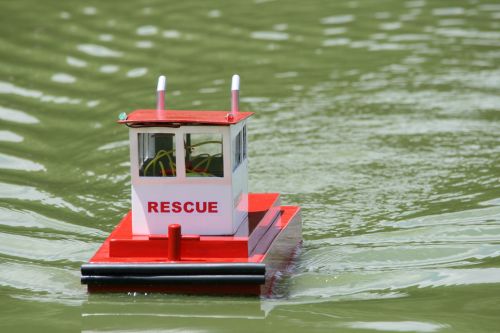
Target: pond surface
[[381, 119]]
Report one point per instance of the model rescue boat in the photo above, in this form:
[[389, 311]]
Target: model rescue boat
[[194, 227]]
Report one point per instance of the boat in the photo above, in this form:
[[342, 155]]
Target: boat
[[193, 227]]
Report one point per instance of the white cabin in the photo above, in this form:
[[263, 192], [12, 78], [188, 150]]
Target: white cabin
[[188, 168]]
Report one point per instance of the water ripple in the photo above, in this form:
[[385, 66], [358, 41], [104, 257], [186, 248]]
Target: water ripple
[[174, 34], [147, 30], [457, 32], [349, 283], [336, 42], [270, 35], [16, 163], [335, 31], [396, 326], [144, 44], [89, 10], [99, 51], [109, 69], [63, 78], [38, 278], [114, 145], [47, 248], [29, 219], [9, 136], [338, 19], [9, 88], [449, 11], [20, 192], [17, 116], [136, 72], [390, 25], [75, 62]]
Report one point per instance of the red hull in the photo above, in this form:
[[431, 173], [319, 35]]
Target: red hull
[[245, 263]]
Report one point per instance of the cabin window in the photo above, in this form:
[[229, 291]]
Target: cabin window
[[237, 151], [240, 147], [244, 148], [156, 154], [204, 155]]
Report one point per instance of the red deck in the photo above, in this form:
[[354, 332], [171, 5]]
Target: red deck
[[270, 237], [248, 245]]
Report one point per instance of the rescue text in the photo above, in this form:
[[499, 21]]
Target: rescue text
[[182, 207]]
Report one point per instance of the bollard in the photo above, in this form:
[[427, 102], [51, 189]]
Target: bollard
[[174, 242]]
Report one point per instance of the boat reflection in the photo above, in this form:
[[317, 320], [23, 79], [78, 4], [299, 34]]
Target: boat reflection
[[160, 312]]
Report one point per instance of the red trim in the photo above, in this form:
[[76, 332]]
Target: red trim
[[150, 117]]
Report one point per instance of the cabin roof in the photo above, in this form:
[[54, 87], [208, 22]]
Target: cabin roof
[[151, 118]]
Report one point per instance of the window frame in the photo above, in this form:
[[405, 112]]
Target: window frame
[[180, 154], [152, 152], [237, 153], [239, 147], [244, 143], [221, 137]]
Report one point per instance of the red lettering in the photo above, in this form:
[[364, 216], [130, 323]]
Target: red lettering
[[152, 207], [189, 207], [188, 210], [165, 206], [212, 207], [201, 207], [176, 207]]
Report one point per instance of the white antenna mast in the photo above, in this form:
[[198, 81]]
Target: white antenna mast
[[160, 93], [235, 94]]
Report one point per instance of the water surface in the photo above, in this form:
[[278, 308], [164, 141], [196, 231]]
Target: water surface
[[379, 118]]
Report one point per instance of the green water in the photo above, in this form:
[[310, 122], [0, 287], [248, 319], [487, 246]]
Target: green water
[[379, 118]]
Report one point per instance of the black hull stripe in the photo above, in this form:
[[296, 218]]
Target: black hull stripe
[[178, 279], [111, 269]]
